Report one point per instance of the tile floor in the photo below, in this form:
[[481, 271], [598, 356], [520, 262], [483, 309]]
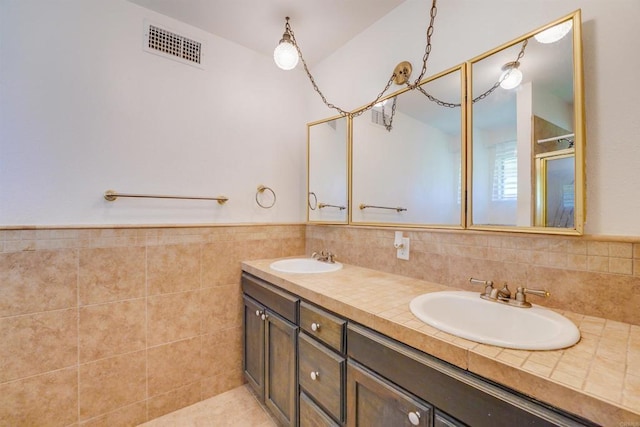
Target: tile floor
[[237, 407]]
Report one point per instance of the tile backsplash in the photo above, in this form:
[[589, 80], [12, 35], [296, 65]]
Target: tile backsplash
[[116, 326], [597, 276]]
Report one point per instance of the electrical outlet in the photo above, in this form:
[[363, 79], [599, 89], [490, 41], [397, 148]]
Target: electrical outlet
[[403, 251]]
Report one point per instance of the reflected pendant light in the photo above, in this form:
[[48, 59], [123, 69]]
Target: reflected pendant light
[[511, 76], [555, 33], [285, 54]]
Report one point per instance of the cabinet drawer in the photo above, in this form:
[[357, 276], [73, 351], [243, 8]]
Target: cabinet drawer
[[281, 302], [324, 326], [312, 416], [322, 375], [375, 402]]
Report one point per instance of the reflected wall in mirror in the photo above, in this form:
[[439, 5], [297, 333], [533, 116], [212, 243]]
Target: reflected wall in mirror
[[328, 148], [412, 173], [527, 108]]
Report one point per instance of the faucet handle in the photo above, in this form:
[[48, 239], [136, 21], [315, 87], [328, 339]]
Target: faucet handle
[[521, 297], [488, 287]]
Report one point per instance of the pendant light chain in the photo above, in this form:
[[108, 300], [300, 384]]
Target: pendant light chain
[[502, 78], [427, 50], [369, 106]]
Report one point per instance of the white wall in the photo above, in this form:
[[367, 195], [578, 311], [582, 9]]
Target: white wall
[[414, 167], [84, 109], [328, 175], [467, 28]]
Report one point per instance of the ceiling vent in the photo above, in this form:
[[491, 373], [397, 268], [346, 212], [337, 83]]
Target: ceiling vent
[[171, 45], [378, 118]]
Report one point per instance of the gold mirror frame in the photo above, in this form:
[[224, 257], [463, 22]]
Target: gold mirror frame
[[579, 138], [332, 206], [460, 208]]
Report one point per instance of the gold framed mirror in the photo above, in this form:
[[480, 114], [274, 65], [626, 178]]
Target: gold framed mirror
[[407, 156], [327, 171], [525, 114]]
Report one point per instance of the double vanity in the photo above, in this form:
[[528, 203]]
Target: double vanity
[[343, 347]]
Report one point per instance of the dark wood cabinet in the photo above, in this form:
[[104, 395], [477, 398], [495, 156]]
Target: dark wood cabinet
[[281, 389], [311, 415], [375, 402], [270, 348], [322, 375], [253, 348], [443, 420], [313, 368], [322, 362]]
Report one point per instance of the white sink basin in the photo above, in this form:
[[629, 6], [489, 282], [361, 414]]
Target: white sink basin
[[466, 315], [304, 265]]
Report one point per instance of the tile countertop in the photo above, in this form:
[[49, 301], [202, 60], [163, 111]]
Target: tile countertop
[[598, 378]]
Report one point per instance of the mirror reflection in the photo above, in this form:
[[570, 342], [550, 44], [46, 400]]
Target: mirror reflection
[[327, 145], [407, 156], [526, 118]]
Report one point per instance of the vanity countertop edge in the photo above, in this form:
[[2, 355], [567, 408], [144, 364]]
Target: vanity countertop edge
[[380, 301]]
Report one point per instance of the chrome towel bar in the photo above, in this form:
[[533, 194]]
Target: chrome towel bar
[[398, 209], [111, 195], [326, 205]]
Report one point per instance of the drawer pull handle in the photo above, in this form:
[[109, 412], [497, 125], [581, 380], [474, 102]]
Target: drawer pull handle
[[315, 375], [315, 327], [414, 418]]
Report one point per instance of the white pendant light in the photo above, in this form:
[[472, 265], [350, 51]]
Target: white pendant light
[[555, 33], [511, 76], [285, 54]]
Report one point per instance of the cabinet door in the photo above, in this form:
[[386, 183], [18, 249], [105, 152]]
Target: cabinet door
[[281, 363], [442, 420], [312, 416], [253, 345], [374, 402]]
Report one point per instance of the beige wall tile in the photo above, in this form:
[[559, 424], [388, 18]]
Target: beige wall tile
[[43, 400], [222, 352], [111, 274], [596, 248], [172, 317], [38, 281], [110, 329], [228, 380], [173, 268], [598, 263], [577, 262], [221, 308], [108, 384], [621, 250], [130, 415], [175, 399], [36, 343], [621, 265], [174, 365], [221, 263]]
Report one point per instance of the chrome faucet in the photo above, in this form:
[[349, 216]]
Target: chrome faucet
[[488, 287], [521, 296], [324, 256], [504, 295]]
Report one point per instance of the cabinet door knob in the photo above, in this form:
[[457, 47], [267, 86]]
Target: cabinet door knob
[[414, 418], [315, 375], [258, 313], [315, 327], [264, 316]]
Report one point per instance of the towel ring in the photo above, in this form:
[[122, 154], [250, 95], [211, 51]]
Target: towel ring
[[261, 189], [315, 203]]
